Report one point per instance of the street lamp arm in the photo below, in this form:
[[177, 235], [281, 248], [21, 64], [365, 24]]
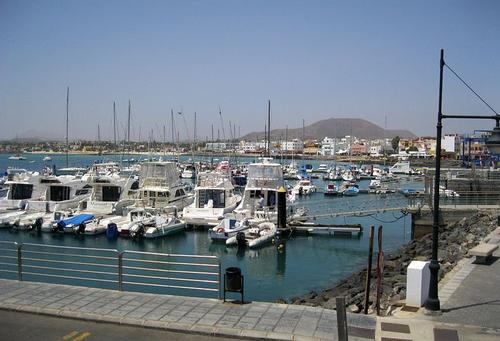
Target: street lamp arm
[[479, 117]]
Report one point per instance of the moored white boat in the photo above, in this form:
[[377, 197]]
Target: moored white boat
[[214, 197], [255, 236], [227, 228], [162, 226]]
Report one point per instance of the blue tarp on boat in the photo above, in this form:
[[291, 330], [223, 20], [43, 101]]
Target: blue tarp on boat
[[75, 221]]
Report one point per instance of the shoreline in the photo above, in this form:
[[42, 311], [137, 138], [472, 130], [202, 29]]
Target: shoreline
[[415, 162], [456, 240]]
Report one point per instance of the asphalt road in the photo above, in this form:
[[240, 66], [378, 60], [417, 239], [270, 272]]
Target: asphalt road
[[24, 326]]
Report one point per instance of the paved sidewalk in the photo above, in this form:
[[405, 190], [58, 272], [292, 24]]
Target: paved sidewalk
[[182, 314]]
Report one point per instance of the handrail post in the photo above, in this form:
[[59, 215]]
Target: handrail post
[[120, 271], [19, 262], [220, 281]]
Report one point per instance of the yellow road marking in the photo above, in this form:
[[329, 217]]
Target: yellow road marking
[[81, 337], [70, 335]]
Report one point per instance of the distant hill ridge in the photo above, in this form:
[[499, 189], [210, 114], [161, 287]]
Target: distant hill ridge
[[335, 127]]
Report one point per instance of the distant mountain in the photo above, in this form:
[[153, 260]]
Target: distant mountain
[[335, 127]]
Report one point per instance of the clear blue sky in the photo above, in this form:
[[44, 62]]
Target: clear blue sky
[[312, 59]]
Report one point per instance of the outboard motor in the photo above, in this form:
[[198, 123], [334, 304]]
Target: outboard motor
[[139, 232], [81, 229], [59, 227], [37, 226], [240, 239], [112, 231]]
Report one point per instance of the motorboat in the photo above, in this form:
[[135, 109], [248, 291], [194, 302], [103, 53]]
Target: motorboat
[[49, 223], [131, 222], [160, 186], [304, 187], [255, 236], [259, 198], [322, 168], [402, 167], [110, 194], [189, 172], [75, 224], [7, 217], [29, 220], [214, 197], [375, 184], [17, 157], [47, 159], [349, 189], [331, 190], [227, 228], [163, 225]]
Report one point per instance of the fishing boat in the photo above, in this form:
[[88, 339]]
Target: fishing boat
[[214, 197], [110, 194], [260, 195], [160, 186], [255, 236]]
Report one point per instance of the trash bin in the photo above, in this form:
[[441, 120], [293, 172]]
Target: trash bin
[[233, 281]]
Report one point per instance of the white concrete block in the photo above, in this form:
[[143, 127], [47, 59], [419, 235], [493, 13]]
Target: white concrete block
[[417, 283]]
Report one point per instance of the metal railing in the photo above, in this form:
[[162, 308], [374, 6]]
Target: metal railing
[[111, 269]]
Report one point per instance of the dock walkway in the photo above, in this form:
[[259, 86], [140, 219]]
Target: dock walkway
[[256, 320]]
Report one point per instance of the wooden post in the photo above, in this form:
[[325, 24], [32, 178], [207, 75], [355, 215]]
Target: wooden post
[[369, 270], [380, 267], [341, 318]]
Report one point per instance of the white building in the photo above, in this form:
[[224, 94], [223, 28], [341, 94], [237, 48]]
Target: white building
[[328, 147], [376, 151], [292, 146]]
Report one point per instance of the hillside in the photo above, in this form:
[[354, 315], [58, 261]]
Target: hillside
[[334, 127]]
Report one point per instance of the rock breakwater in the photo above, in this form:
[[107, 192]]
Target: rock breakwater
[[455, 240]]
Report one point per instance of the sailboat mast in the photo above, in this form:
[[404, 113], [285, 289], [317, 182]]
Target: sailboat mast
[[128, 124], [67, 126], [114, 122], [269, 128]]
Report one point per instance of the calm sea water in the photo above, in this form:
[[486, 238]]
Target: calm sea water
[[308, 263]]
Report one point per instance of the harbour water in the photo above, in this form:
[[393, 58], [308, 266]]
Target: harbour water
[[308, 262]]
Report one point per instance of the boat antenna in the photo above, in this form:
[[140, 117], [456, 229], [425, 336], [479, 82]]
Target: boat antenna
[[67, 126]]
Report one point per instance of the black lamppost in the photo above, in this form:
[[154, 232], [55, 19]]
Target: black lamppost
[[493, 144]]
